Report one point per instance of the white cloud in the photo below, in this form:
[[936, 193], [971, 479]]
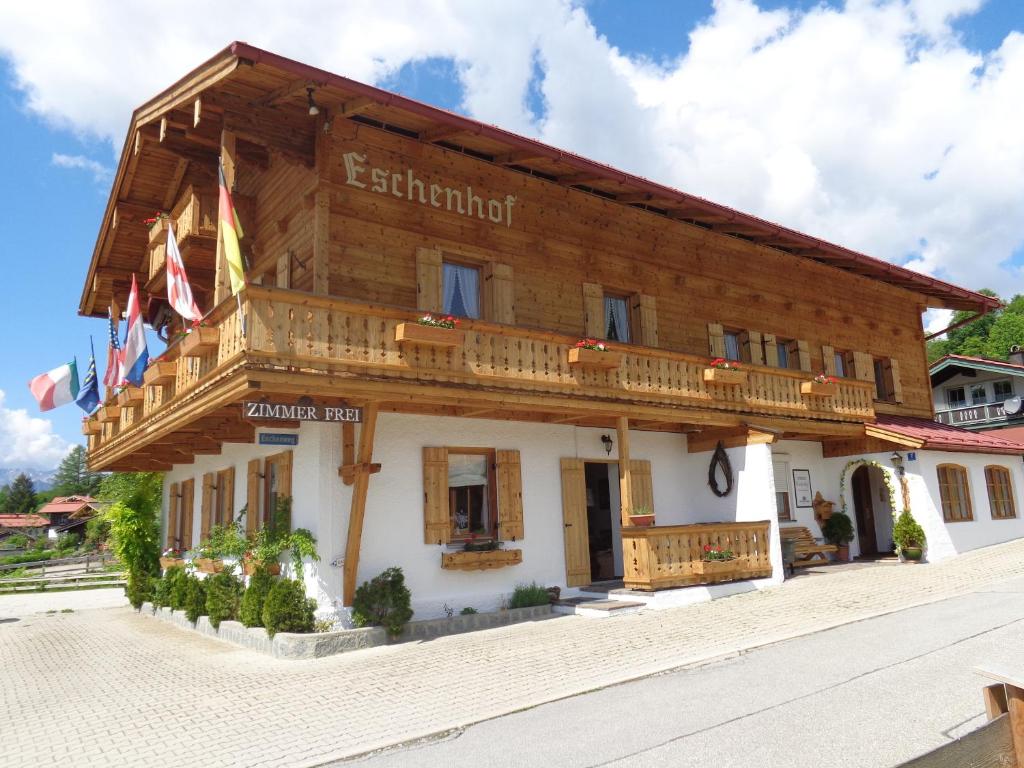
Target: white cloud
[[28, 442], [871, 125], [100, 172]]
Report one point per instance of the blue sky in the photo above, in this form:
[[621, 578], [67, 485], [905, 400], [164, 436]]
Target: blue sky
[[51, 213]]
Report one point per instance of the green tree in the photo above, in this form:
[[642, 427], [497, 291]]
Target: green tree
[[990, 336], [21, 498], [73, 477], [5, 497], [133, 516]]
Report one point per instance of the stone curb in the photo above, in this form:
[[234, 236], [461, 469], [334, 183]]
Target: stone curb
[[315, 645]]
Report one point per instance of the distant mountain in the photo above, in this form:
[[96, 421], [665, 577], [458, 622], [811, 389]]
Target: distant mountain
[[42, 479]]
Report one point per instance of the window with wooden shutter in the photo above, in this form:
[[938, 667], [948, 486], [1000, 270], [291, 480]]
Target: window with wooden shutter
[[429, 291], [771, 350], [641, 484], [224, 498], [277, 485], [798, 355], [252, 497], [436, 521], [1000, 492], [716, 340], [207, 511], [783, 503], [510, 495], [499, 294], [894, 387], [860, 366], [645, 320], [955, 493], [828, 359], [593, 311], [173, 505], [188, 495], [751, 348]]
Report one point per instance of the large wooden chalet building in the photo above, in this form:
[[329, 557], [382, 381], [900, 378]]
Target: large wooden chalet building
[[398, 442]]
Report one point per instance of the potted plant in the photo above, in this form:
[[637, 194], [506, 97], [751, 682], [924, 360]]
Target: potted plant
[[838, 530], [716, 560], [722, 371], [432, 331], [157, 224], [821, 385], [171, 557], [641, 516], [270, 541], [909, 537], [223, 541], [591, 353]]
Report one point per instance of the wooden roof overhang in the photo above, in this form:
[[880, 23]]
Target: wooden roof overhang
[[261, 97]]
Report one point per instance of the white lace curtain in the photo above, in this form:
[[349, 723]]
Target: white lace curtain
[[461, 290], [616, 319]]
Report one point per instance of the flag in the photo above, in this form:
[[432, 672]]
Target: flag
[[135, 355], [89, 395], [56, 387], [179, 292], [230, 234], [112, 376]]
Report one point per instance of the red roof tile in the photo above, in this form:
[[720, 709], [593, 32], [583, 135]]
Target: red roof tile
[[985, 360], [941, 437], [67, 504], [23, 521]]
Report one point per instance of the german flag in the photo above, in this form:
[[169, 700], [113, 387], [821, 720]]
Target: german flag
[[230, 234]]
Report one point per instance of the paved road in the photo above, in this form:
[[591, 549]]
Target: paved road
[[873, 693]]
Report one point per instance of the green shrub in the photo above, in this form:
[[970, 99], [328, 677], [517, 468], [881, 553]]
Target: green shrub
[[251, 611], [195, 598], [17, 541], [97, 531], [28, 557], [907, 532], [383, 602], [223, 594], [139, 588], [468, 611], [838, 529], [287, 609], [528, 595], [170, 590]]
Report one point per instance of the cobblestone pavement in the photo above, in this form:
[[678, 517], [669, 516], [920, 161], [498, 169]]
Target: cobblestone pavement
[[110, 687]]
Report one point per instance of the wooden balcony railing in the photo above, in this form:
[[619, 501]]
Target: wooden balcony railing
[[665, 556]]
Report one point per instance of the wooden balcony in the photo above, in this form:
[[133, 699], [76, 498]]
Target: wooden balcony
[[666, 556], [299, 344]]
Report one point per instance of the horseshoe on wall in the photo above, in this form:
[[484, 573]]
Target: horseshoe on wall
[[720, 460]]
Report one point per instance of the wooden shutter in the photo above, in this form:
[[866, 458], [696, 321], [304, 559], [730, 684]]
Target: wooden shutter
[[716, 340], [863, 366], [173, 503], [252, 497], [645, 320], [574, 517], [828, 358], [499, 294], [510, 495], [751, 350], [641, 484], [892, 379], [799, 355], [206, 511], [593, 311], [188, 497], [437, 526], [226, 493], [771, 350], [429, 280], [284, 472]]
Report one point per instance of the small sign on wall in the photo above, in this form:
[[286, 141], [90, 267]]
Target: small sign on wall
[[278, 438], [802, 488]]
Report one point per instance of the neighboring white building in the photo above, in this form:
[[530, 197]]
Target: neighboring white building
[[980, 394]]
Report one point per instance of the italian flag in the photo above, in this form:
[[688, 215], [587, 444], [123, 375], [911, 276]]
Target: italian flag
[[57, 387]]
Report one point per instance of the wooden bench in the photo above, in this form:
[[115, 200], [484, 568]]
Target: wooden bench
[[808, 551]]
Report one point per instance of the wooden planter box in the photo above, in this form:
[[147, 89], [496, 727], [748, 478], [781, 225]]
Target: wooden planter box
[[430, 335], [644, 520], [199, 342], [160, 373], [717, 567], [593, 358], [170, 562], [207, 565], [728, 376], [818, 388], [249, 568], [481, 561], [129, 396], [91, 426], [110, 413], [158, 232]]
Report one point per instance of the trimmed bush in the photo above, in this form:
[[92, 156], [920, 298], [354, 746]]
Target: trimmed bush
[[838, 529], [223, 594], [195, 598], [529, 595], [907, 532], [287, 609], [384, 601], [251, 611], [138, 588], [177, 592]]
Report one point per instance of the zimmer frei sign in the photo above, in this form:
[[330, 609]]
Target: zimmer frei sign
[[264, 410], [403, 184]]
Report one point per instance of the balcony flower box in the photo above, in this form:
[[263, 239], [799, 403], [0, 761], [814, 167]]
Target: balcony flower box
[[171, 562], [646, 519], [481, 560], [91, 426], [200, 341], [158, 229], [159, 373], [429, 335], [819, 388], [129, 396], [111, 412], [718, 567], [208, 565], [249, 568], [592, 358], [730, 377]]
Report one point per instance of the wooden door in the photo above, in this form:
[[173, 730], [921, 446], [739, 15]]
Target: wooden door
[[862, 503], [574, 516]]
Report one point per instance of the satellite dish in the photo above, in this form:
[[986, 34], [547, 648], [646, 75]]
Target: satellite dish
[[1012, 405]]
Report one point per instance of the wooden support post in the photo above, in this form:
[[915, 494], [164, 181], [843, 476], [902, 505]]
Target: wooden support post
[[1015, 706], [348, 450], [222, 281], [359, 490], [322, 208], [995, 700], [1011, 700], [625, 476]]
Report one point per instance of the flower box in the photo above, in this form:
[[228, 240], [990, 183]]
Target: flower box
[[129, 396], [158, 230], [727, 376], [200, 341], [819, 388], [160, 373], [91, 426], [717, 567], [481, 561], [642, 520], [170, 562], [429, 335], [207, 565], [249, 568], [110, 413], [594, 358]]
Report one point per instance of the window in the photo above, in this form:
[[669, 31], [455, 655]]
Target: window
[[277, 484], [955, 493], [840, 363], [886, 379], [880, 390], [955, 397], [782, 497], [1000, 492], [1001, 390], [979, 396], [461, 289], [616, 318], [732, 345], [188, 493], [471, 493]]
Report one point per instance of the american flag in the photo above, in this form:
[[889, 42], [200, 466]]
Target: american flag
[[112, 377]]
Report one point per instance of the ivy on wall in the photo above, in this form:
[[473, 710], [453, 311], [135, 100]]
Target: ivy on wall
[[886, 479]]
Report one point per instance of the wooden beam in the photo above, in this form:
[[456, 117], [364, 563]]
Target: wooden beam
[[348, 449], [197, 111], [440, 133], [625, 475], [355, 106], [171, 195], [520, 156], [359, 491], [286, 90], [733, 437]]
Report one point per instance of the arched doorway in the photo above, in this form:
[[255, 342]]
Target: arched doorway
[[864, 507]]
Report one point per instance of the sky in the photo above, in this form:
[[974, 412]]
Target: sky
[[894, 127]]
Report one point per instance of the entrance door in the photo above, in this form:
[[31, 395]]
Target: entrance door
[[862, 503], [604, 520], [574, 517]]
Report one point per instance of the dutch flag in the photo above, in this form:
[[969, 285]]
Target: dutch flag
[[134, 356]]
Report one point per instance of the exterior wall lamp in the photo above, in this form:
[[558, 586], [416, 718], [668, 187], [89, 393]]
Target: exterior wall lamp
[[897, 462], [314, 110], [608, 443]]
